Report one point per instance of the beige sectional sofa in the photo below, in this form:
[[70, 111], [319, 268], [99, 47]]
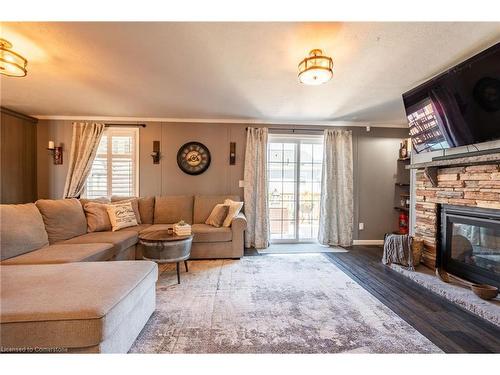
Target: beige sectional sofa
[[47, 258]]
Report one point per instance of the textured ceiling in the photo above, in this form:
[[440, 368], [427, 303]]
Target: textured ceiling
[[230, 70]]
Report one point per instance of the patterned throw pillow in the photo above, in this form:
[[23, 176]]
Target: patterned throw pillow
[[218, 215], [234, 210], [121, 216], [135, 207]]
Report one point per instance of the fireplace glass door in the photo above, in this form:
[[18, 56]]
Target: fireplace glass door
[[477, 246], [472, 244]]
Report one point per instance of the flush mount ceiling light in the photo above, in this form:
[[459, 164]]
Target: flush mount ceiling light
[[11, 63], [315, 69]]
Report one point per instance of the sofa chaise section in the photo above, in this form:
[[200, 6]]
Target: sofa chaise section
[[65, 253], [80, 307]]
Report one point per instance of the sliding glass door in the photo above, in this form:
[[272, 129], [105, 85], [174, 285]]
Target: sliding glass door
[[294, 167]]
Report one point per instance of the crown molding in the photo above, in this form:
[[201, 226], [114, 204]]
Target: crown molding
[[18, 115], [221, 121]]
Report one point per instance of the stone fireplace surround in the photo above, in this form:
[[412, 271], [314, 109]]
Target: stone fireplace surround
[[475, 185]]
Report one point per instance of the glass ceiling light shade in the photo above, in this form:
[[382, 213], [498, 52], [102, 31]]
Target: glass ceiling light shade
[[315, 69], [11, 63]]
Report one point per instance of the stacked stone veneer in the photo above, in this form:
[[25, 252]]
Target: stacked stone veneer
[[473, 186]]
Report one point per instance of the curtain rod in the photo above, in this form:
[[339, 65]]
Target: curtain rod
[[296, 129], [130, 125]]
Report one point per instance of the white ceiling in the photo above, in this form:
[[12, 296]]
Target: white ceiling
[[230, 70]]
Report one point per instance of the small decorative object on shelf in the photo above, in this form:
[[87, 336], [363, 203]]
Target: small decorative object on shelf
[[405, 200], [57, 153], [405, 149]]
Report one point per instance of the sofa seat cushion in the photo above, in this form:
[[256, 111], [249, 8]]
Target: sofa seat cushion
[[201, 232], [71, 305], [208, 233], [65, 253], [63, 218], [121, 240], [136, 228], [21, 230]]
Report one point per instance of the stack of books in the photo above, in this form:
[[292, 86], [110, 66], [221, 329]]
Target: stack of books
[[182, 229]]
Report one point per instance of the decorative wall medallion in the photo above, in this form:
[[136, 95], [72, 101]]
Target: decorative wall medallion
[[193, 158]]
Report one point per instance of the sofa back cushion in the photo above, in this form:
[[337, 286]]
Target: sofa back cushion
[[171, 209], [146, 207], [97, 217], [21, 230], [204, 204], [84, 201], [63, 218]]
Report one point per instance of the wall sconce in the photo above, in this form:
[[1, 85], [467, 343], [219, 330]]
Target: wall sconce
[[156, 152], [57, 153], [232, 153]]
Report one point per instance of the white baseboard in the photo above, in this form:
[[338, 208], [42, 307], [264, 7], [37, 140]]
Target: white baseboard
[[368, 242]]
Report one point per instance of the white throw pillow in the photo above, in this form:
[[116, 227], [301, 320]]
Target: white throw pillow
[[121, 216], [234, 210]]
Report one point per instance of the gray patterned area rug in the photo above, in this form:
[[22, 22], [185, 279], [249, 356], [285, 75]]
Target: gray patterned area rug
[[298, 303]]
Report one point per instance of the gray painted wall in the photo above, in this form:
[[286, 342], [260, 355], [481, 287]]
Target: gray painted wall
[[375, 166]]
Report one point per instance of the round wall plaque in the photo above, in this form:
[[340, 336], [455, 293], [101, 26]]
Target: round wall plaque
[[193, 158]]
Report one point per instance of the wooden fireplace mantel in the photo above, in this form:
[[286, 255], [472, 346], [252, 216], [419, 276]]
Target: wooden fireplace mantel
[[431, 167], [461, 161]]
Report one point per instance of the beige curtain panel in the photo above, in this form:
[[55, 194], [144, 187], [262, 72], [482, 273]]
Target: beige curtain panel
[[86, 138], [336, 212], [255, 193]]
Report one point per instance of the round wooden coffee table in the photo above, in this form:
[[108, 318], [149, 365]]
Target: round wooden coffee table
[[163, 247]]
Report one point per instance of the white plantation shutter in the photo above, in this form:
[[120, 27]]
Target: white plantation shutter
[[115, 168]]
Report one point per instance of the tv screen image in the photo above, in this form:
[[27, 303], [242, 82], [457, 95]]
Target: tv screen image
[[458, 107]]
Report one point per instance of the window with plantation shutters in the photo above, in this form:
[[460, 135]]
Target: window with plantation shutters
[[115, 167]]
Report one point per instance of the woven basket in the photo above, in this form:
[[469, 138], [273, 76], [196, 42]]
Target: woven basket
[[417, 248]]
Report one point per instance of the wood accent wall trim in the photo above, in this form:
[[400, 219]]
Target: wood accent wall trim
[[472, 186], [18, 115], [18, 160]]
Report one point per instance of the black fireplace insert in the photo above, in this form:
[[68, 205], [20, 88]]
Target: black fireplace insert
[[470, 243]]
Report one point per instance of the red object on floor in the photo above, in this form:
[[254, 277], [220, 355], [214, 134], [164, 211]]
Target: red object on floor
[[403, 223]]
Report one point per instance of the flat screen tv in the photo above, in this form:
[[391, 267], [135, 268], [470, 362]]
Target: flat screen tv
[[459, 107]]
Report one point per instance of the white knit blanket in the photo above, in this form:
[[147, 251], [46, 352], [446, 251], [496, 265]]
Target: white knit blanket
[[397, 249]]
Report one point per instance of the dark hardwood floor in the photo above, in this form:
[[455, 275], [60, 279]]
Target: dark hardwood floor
[[448, 326]]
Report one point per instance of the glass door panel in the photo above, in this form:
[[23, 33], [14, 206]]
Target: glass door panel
[[294, 167], [282, 192]]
